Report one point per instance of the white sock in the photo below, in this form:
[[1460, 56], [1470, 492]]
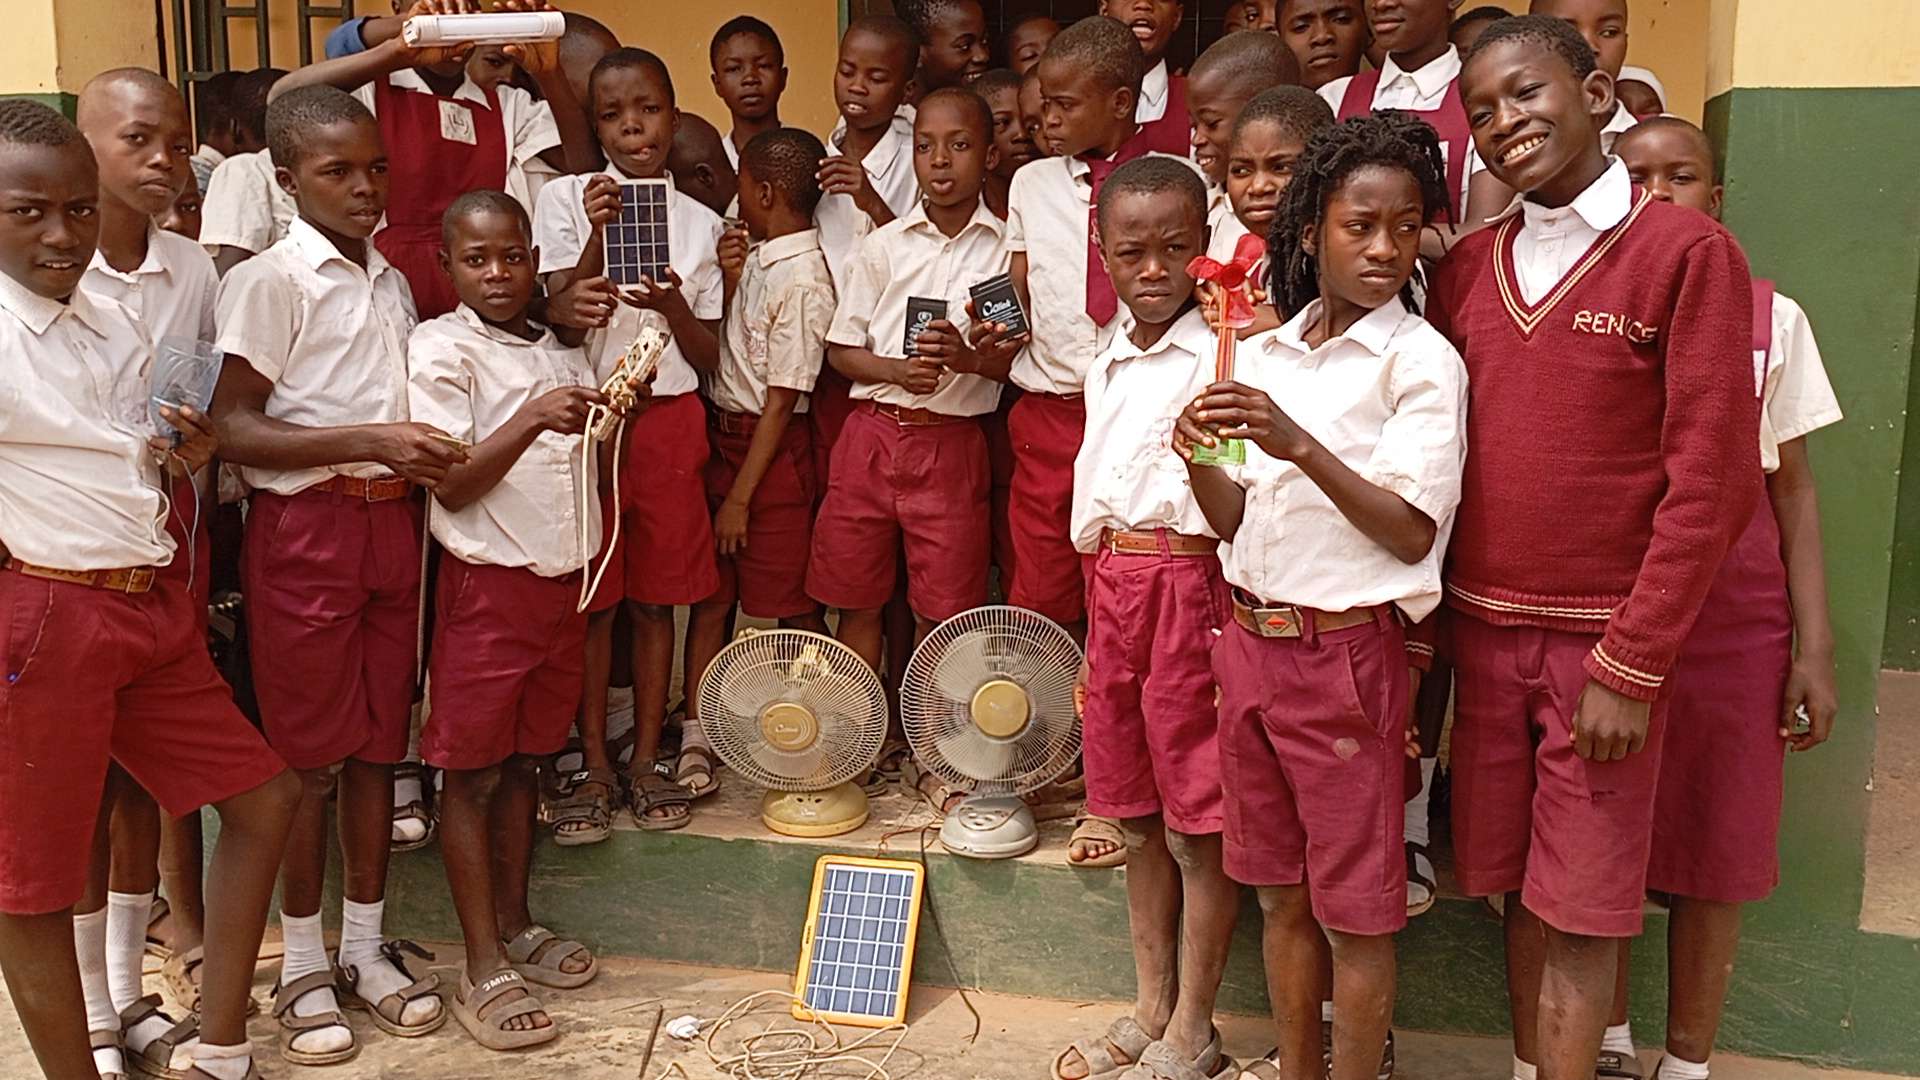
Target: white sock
[[1326, 1012], [1678, 1068], [90, 948], [406, 789], [224, 1062], [306, 953], [1618, 1039], [127, 915], [1417, 830], [360, 941], [1524, 1071]]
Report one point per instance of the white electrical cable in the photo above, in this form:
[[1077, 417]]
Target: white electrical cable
[[587, 501], [788, 1052]]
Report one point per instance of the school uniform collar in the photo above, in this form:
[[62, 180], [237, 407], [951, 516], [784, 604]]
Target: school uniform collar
[[1431, 79], [38, 313], [983, 218], [618, 173], [211, 155], [1604, 204], [317, 251], [409, 79], [1153, 87], [1620, 121], [1373, 332], [1189, 333], [471, 320], [1078, 170], [782, 248], [150, 264], [881, 159]]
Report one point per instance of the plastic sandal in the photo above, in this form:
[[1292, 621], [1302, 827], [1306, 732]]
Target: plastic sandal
[[292, 1026], [1108, 1055], [1088, 828], [650, 791], [538, 953], [419, 809], [1161, 1061], [1612, 1066], [156, 1058], [584, 812], [697, 760], [387, 1012], [103, 1040], [479, 1009]]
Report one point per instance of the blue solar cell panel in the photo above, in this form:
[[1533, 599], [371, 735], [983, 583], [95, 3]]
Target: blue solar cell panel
[[862, 941], [636, 241]]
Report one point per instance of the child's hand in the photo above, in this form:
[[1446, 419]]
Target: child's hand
[[601, 197], [1230, 410], [417, 452], [563, 411], [536, 58], [651, 295], [730, 527], [436, 54], [941, 341], [992, 341], [921, 376], [198, 443], [1810, 686], [841, 175], [1608, 725], [732, 253], [583, 305]]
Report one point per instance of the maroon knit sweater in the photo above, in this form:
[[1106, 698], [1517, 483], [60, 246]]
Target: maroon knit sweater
[[1610, 435]]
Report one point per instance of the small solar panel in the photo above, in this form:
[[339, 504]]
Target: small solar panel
[[636, 241], [857, 956]]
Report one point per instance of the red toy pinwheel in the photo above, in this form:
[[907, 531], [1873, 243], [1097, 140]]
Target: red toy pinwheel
[[1234, 278]]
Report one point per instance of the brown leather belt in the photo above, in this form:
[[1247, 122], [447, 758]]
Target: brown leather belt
[[1127, 542], [376, 489], [906, 417], [1266, 620], [135, 579]]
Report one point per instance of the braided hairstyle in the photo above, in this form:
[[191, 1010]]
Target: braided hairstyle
[[1389, 138]]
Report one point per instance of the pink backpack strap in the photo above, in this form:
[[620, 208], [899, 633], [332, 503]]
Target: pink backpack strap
[[1763, 316]]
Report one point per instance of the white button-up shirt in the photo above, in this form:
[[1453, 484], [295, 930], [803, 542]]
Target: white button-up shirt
[[561, 229], [776, 331], [330, 335], [1389, 399], [1419, 90], [171, 292], [244, 206], [79, 488], [1551, 240], [1620, 121], [1127, 475], [911, 257], [469, 379], [1797, 398], [527, 121], [889, 167], [1153, 95]]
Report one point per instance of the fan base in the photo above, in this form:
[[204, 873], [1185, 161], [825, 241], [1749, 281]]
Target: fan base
[[813, 814], [990, 827]]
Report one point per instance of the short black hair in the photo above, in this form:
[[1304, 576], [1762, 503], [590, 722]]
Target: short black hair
[[1667, 121], [1104, 47], [483, 201], [1155, 175], [1549, 32], [1297, 110], [213, 103], [968, 101], [996, 81], [25, 122], [922, 14], [1389, 138], [789, 159], [250, 99], [625, 57], [895, 30], [1255, 60], [1485, 12], [293, 118], [746, 26]]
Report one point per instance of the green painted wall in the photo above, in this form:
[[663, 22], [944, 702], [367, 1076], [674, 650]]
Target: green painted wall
[[62, 101]]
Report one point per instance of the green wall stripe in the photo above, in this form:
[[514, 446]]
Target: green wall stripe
[[62, 101]]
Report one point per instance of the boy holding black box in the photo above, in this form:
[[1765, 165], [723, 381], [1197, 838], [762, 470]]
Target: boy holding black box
[[911, 463]]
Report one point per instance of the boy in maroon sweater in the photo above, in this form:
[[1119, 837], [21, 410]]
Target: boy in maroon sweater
[[1611, 423]]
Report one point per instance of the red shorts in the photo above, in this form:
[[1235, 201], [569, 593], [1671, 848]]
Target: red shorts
[[1312, 741], [93, 675], [1151, 742], [827, 410], [333, 614], [1528, 812], [1000, 460], [1047, 574], [1716, 822], [665, 552], [921, 486], [509, 654], [768, 576]]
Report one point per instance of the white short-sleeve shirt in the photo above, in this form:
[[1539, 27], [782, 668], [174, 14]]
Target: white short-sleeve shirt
[[775, 332], [171, 292], [889, 167], [1389, 399], [561, 230], [244, 206], [79, 488], [1127, 475], [910, 257], [1153, 95], [469, 379], [330, 335], [1620, 121], [527, 121], [1796, 396], [1419, 90]]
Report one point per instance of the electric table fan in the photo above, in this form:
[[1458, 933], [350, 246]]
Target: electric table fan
[[801, 715], [987, 704]]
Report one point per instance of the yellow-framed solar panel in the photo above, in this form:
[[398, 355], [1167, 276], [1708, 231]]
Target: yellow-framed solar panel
[[856, 955], [636, 239]]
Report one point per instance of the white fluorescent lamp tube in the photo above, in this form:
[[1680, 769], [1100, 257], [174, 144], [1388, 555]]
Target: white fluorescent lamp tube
[[491, 28]]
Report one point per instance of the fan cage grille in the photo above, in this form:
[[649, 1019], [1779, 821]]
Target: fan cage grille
[[761, 668]]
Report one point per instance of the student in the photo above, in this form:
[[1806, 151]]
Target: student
[[1333, 530], [1160, 106], [953, 42], [1564, 640], [137, 125], [1224, 79], [1604, 24], [183, 217], [1012, 146], [1762, 648], [1421, 74], [1248, 15], [910, 471], [1640, 92], [700, 165], [1270, 137], [1328, 38], [665, 556], [246, 211], [213, 123], [1155, 603], [760, 481], [1033, 112], [447, 136], [1026, 41], [749, 75], [119, 669], [312, 403], [1467, 28], [509, 642]]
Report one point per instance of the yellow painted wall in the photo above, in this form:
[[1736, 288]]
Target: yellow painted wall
[[29, 56], [1669, 38], [1777, 43]]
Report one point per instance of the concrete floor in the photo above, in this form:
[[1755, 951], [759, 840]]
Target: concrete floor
[[1892, 901], [605, 1030]]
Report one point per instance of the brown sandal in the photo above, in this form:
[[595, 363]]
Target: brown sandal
[[108, 1040], [651, 791], [388, 1011], [181, 974], [479, 1009], [537, 953], [583, 812], [293, 1026], [156, 1058]]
